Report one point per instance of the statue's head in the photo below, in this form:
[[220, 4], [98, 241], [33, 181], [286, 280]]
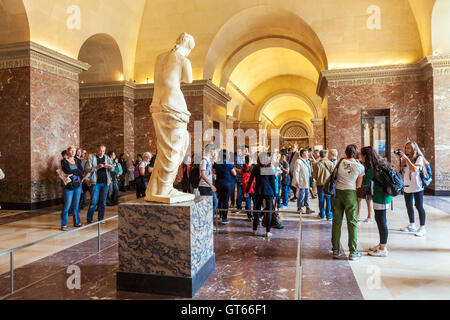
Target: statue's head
[[185, 43]]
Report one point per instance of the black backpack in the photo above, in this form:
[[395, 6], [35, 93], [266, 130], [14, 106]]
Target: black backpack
[[393, 182], [194, 175]]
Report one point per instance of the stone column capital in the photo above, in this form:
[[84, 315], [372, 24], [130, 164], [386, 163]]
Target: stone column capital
[[31, 54], [107, 89], [317, 121]]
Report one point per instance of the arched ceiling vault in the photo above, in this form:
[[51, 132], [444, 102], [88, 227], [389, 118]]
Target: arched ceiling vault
[[14, 25], [279, 85]]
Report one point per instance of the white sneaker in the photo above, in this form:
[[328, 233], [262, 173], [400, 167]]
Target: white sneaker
[[375, 248], [379, 253], [368, 220], [409, 228], [421, 232], [268, 234]]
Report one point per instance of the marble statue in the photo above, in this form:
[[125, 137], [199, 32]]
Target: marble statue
[[170, 118]]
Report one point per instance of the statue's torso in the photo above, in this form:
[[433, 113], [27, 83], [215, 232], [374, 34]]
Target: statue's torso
[[167, 91]]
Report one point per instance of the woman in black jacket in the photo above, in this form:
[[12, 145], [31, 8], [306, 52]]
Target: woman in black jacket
[[73, 169], [264, 190]]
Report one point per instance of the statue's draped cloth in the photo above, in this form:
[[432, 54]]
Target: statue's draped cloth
[[172, 142]]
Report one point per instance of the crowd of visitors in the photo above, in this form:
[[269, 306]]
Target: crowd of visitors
[[265, 180]]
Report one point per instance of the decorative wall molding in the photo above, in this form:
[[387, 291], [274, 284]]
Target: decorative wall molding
[[107, 89], [31, 54], [439, 65], [197, 88], [251, 125], [420, 71], [317, 122]]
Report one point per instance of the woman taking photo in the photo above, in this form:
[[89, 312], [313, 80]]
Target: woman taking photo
[[411, 163], [381, 200], [73, 168]]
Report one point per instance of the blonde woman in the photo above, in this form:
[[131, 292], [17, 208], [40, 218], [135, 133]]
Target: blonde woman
[[144, 173], [411, 163], [73, 168]]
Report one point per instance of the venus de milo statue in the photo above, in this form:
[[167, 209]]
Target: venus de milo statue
[[170, 118]]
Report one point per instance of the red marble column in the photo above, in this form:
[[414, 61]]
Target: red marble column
[[319, 133], [15, 142], [437, 122], [39, 118]]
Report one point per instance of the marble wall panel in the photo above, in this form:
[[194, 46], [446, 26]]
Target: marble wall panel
[[54, 126], [144, 131], [441, 98], [406, 102], [102, 122], [128, 129], [15, 135]]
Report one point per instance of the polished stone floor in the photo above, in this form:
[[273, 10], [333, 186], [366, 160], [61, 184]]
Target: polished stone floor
[[247, 267]]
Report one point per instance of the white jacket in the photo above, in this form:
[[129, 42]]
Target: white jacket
[[301, 174]]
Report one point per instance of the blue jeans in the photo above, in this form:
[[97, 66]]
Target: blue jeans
[[206, 191], [113, 193], [99, 195], [380, 218], [417, 197], [322, 206], [248, 204], [285, 190], [71, 196], [303, 198], [240, 196]]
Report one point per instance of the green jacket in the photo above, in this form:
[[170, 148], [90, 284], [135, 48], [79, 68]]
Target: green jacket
[[379, 196], [322, 170]]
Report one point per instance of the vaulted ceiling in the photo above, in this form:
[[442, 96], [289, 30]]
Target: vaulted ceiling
[[266, 53]]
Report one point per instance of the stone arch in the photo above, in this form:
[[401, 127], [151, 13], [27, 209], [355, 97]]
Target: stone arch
[[296, 126], [260, 26], [14, 26], [440, 22], [293, 123], [102, 52], [316, 111], [263, 43]]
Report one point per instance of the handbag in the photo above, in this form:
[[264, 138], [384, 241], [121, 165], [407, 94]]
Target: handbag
[[329, 188], [276, 221]]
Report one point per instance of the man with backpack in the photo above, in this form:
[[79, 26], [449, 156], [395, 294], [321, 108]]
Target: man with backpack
[[321, 172]]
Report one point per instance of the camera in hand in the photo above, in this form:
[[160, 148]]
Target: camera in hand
[[398, 151]]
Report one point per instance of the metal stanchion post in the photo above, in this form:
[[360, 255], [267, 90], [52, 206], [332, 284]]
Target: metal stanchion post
[[11, 271], [98, 238]]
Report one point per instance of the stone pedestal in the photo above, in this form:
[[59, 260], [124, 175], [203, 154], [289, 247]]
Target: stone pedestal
[[165, 249]]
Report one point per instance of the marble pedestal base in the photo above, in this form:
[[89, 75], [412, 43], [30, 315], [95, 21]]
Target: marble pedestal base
[[165, 248]]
